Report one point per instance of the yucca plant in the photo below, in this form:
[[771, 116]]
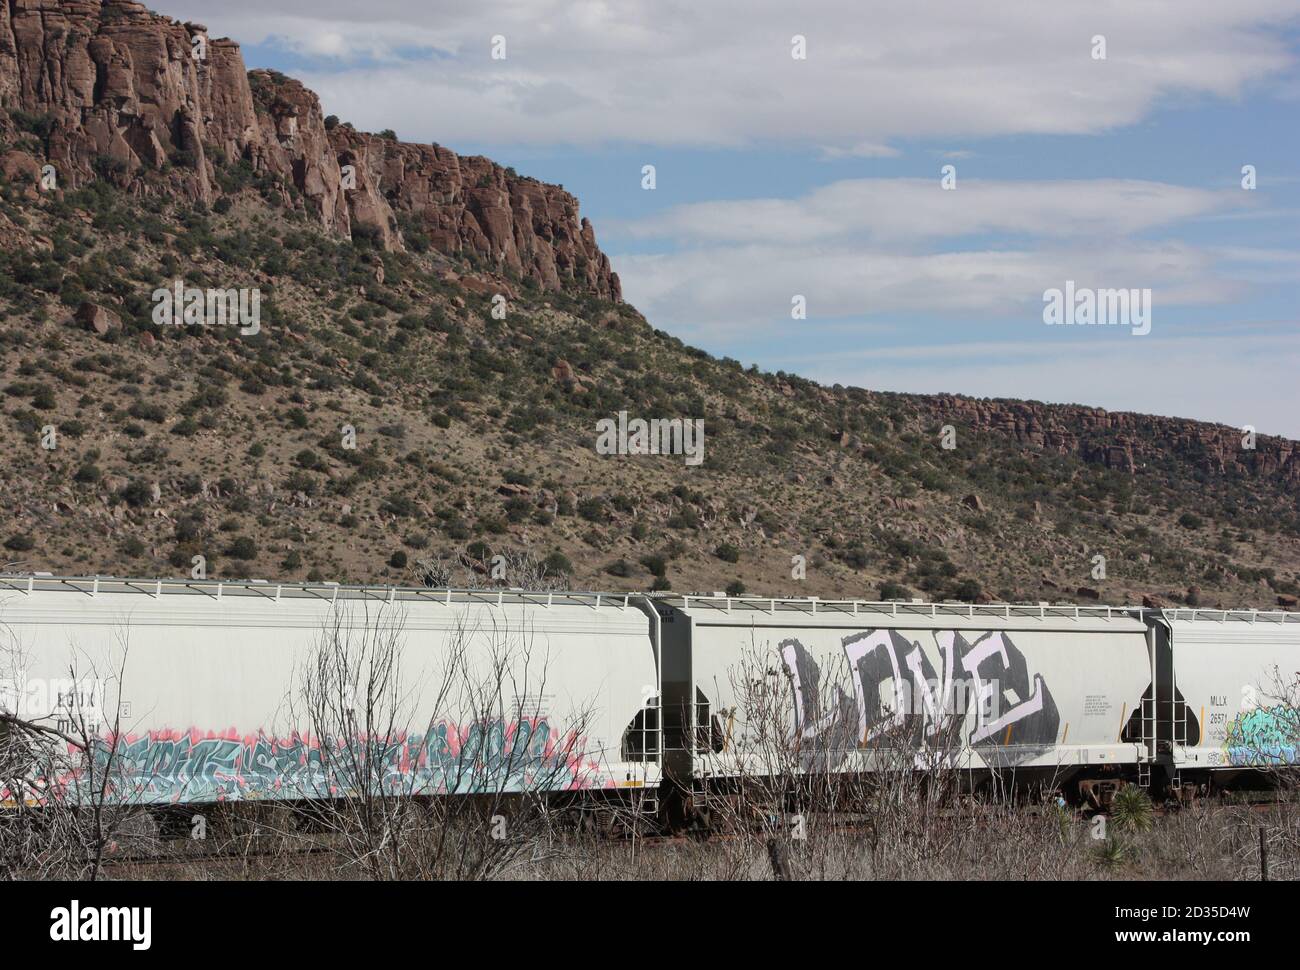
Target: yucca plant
[[1112, 853], [1131, 810]]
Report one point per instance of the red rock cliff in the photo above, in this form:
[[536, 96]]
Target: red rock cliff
[[1123, 440], [117, 91]]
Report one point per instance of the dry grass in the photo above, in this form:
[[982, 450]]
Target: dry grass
[[983, 842]]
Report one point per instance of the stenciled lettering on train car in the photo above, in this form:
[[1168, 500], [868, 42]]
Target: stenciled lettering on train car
[[897, 697]]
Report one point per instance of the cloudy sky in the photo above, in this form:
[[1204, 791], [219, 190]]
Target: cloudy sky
[[821, 177]]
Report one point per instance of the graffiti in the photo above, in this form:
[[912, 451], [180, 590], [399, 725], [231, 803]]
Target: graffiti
[[1264, 736], [164, 767], [898, 698]]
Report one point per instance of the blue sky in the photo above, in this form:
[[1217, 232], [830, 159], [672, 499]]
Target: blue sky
[[820, 177]]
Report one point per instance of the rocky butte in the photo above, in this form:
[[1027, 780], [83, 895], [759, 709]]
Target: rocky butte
[[115, 90]]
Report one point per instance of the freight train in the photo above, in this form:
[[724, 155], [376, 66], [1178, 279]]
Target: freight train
[[166, 692]]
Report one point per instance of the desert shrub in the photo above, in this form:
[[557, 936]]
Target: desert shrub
[[656, 563], [727, 552], [136, 493], [518, 509], [188, 528], [399, 504], [307, 459], [558, 563], [894, 591], [300, 481], [243, 548], [593, 509], [685, 518], [855, 558], [44, 399]]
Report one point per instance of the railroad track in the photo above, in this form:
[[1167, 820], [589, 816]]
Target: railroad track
[[184, 853], [187, 858]]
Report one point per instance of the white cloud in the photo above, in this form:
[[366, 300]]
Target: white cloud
[[677, 73], [863, 149], [719, 292], [866, 248], [907, 210]]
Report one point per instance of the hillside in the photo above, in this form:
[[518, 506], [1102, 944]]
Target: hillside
[[378, 262]]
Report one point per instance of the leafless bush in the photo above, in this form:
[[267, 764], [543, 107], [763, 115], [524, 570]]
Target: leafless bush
[[513, 568], [796, 772], [1269, 736], [459, 783], [67, 791], [802, 773]]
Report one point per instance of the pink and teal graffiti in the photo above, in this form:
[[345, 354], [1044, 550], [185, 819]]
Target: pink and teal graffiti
[[1264, 736], [169, 767]]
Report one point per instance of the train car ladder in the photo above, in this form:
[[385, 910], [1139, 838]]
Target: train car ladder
[[1179, 721], [1148, 739]]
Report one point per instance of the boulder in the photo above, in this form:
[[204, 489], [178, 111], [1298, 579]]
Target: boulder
[[18, 165], [97, 319]]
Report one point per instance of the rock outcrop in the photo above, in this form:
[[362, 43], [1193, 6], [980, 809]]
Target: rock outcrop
[[112, 90], [1122, 440]]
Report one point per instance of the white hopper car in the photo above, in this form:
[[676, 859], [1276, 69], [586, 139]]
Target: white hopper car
[[206, 687], [1080, 697], [219, 691], [1234, 689]]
